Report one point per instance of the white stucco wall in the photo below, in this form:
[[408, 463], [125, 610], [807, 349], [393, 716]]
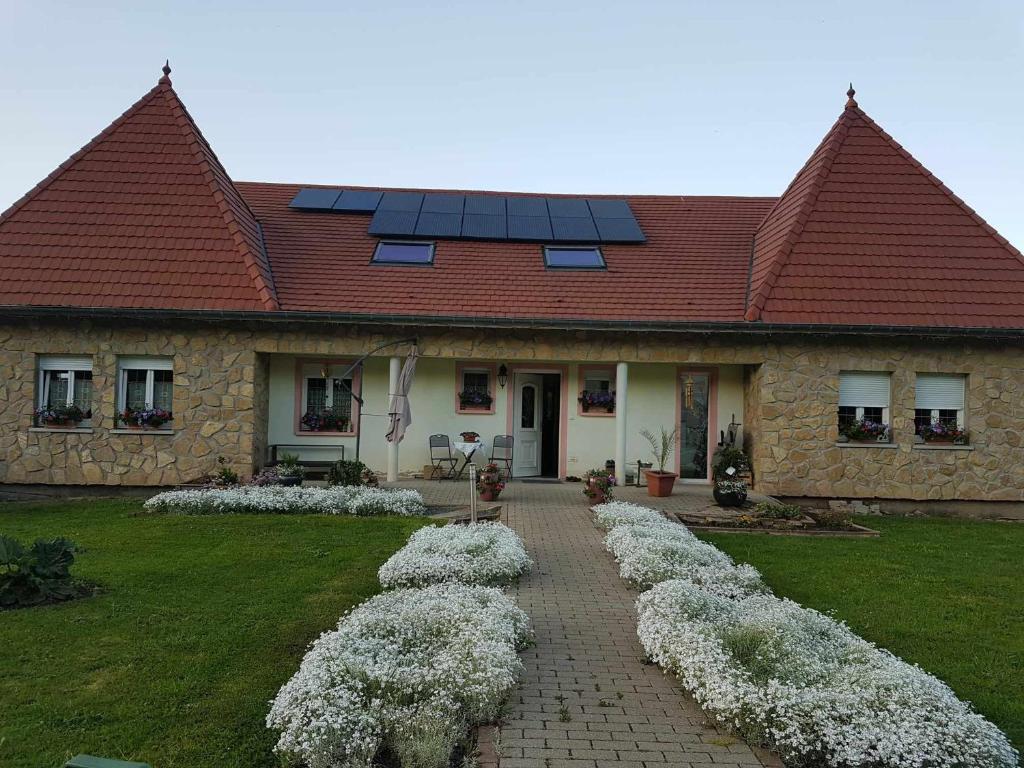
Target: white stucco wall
[[590, 440]]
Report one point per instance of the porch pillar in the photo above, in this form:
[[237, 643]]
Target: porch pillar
[[393, 374], [621, 381]]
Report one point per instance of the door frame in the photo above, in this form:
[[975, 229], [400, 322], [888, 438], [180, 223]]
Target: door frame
[[712, 374], [563, 414]]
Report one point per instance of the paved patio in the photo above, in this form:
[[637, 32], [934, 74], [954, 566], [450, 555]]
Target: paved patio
[[587, 698]]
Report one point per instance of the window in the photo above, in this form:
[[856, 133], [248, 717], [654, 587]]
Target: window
[[403, 253], [475, 383], [64, 396], [573, 258], [863, 405], [327, 398], [597, 390], [145, 394], [939, 399]]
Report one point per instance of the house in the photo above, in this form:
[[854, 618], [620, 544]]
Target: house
[[139, 275]]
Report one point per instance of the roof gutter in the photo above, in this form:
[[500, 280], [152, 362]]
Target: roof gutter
[[283, 317]]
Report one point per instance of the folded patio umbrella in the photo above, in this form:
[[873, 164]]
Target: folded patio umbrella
[[399, 411]]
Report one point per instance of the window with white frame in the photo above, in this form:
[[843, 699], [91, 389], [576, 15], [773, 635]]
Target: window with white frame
[[939, 400], [863, 403], [475, 389], [64, 391], [327, 398], [145, 391]]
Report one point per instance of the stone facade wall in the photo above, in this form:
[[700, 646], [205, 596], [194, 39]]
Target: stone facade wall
[[791, 392]]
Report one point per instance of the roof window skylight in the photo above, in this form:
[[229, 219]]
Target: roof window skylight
[[389, 252], [573, 258]]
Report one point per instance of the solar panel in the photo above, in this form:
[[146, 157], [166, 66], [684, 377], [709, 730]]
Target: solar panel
[[401, 201], [393, 223], [358, 201], [526, 206], [620, 230], [492, 205], [484, 226], [439, 202], [610, 209], [574, 229], [568, 207], [315, 199], [439, 224], [529, 228]]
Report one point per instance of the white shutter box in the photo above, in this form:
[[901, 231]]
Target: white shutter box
[[65, 363], [939, 392], [146, 363], [863, 389]]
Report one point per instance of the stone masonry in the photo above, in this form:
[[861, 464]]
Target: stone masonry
[[791, 396]]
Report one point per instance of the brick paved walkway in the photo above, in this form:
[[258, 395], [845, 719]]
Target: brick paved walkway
[[587, 698]]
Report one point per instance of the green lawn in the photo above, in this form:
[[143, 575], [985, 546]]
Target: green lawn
[[945, 594], [200, 621]]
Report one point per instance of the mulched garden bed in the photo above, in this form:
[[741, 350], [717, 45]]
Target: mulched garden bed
[[748, 519]]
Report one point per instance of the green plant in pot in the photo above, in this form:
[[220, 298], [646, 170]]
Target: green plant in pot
[[289, 470], [659, 481]]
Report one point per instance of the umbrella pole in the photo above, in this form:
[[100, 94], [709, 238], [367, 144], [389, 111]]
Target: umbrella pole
[[472, 492], [359, 399]]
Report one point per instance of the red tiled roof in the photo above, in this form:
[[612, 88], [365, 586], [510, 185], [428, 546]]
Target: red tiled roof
[[692, 267], [866, 235], [143, 216]]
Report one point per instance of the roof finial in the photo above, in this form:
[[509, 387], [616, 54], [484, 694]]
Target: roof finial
[[166, 79], [850, 101]]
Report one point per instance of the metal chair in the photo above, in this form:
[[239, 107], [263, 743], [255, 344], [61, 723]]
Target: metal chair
[[501, 451], [441, 455]]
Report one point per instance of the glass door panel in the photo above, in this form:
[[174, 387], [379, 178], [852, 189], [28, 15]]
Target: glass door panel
[[693, 427]]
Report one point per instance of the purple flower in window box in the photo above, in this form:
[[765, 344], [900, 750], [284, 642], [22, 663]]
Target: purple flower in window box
[[60, 415], [144, 418], [475, 399], [325, 421], [598, 399], [865, 430], [938, 432]]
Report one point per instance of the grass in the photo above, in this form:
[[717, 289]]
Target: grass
[[200, 621], [947, 595]]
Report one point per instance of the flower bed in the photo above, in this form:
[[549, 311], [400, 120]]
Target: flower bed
[[784, 676], [800, 683], [335, 500], [481, 553], [405, 674]]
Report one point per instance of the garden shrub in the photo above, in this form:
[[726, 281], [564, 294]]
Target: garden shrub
[[404, 674], [38, 574], [614, 513], [250, 499], [481, 553], [778, 511], [345, 472]]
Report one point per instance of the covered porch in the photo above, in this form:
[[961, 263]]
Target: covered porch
[[564, 417]]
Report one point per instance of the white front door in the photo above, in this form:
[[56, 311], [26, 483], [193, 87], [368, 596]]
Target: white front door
[[526, 425]]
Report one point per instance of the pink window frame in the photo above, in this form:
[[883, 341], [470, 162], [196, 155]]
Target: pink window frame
[[466, 365], [357, 376], [712, 374], [582, 377]]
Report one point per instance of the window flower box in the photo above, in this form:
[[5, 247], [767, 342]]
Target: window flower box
[[599, 401], [865, 431], [325, 421], [61, 416], [937, 432], [475, 401], [144, 418]]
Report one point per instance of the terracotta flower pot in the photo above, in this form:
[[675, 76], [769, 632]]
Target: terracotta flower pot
[[659, 483], [597, 494], [489, 494]]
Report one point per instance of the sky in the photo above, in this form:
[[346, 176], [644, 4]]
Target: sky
[[636, 97]]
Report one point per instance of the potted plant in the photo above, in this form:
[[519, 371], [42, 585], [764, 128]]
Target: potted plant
[[660, 482], [489, 483], [729, 463], [730, 493], [144, 418], [60, 416], [865, 431], [937, 432], [599, 399], [289, 470], [475, 400], [597, 485], [330, 420]]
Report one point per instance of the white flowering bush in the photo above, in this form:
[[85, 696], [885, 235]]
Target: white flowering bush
[[803, 684], [650, 555], [480, 553], [405, 674], [275, 499], [613, 513]]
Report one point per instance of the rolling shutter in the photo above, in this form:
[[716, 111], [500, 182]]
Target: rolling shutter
[[146, 363], [65, 363], [862, 389], [939, 392]]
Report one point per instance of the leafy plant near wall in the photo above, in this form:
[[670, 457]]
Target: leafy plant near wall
[[350, 473], [728, 457], [39, 574], [224, 475]]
